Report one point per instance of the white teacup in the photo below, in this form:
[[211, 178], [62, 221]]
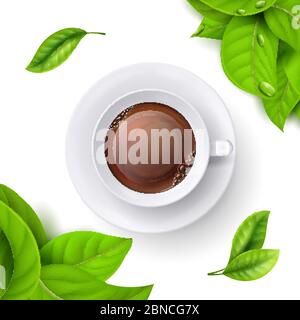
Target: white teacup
[[205, 148]]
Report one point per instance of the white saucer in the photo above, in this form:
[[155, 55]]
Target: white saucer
[[80, 134]]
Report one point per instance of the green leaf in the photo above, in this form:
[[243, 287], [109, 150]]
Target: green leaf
[[95, 253], [2, 280], [6, 260], [240, 7], [19, 206], [63, 282], [208, 12], [297, 110], [25, 252], [251, 234], [252, 265], [56, 49], [249, 55], [284, 21], [212, 29], [291, 62], [281, 106], [247, 260]]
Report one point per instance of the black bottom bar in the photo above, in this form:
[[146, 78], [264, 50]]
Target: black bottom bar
[[93, 310]]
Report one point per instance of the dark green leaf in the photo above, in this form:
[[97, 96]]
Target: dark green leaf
[[251, 234], [56, 49], [252, 265], [98, 254], [63, 282]]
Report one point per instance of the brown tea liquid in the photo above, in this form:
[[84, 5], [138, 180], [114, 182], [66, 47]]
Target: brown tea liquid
[[145, 168]]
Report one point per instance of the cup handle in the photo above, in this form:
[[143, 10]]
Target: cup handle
[[221, 148]]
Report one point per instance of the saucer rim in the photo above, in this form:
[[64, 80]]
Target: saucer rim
[[185, 222]]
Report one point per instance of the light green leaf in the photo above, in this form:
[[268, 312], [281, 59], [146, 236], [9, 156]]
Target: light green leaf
[[249, 55], [98, 254], [252, 265], [284, 21], [240, 7], [209, 12], [251, 234], [283, 103], [211, 29], [23, 209], [63, 282], [25, 252], [56, 49]]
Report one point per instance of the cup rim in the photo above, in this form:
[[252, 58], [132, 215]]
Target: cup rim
[[172, 195]]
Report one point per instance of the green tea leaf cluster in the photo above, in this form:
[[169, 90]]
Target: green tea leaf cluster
[[260, 49], [248, 261], [73, 266]]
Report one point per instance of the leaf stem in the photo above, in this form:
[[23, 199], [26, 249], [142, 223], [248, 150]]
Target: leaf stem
[[101, 33], [216, 273]]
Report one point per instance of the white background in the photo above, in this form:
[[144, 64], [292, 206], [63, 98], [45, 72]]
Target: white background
[[36, 109]]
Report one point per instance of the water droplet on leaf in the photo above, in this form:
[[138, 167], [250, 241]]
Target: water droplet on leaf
[[267, 89], [261, 40], [260, 4], [241, 11]]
